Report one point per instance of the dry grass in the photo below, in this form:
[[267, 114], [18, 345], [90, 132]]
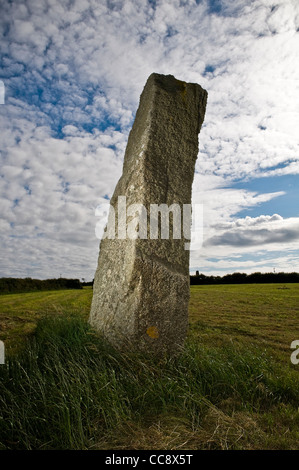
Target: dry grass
[[235, 388], [265, 315]]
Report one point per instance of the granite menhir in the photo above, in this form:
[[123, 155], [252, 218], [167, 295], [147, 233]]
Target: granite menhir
[[141, 286]]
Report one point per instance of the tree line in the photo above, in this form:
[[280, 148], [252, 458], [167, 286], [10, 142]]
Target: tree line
[[9, 285], [243, 278]]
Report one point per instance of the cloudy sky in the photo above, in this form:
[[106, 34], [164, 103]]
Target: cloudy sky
[[73, 72]]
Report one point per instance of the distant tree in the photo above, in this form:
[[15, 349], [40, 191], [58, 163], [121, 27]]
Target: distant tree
[[14, 285], [243, 278]]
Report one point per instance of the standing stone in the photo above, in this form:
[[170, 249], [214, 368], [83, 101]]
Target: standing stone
[[141, 286]]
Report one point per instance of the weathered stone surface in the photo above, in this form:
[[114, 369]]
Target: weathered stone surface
[[141, 286]]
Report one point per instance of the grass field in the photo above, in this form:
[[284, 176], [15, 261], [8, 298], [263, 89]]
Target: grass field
[[19, 313], [264, 315], [234, 387]]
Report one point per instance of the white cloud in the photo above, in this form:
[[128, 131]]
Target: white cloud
[[264, 261], [73, 69], [258, 231]]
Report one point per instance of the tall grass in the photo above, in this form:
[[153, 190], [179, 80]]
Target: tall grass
[[68, 388]]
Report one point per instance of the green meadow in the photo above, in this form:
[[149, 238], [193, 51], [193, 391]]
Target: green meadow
[[232, 387]]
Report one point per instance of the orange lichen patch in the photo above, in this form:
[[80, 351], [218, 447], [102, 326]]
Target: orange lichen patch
[[153, 332]]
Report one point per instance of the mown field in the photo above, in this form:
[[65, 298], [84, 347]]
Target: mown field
[[264, 315], [233, 387], [19, 313]]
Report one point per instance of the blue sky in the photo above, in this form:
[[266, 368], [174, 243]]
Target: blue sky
[[286, 205], [73, 72]]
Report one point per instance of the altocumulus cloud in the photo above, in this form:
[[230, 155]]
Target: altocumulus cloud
[[73, 72]]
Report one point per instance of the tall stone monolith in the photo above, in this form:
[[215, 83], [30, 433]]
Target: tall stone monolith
[[141, 285]]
